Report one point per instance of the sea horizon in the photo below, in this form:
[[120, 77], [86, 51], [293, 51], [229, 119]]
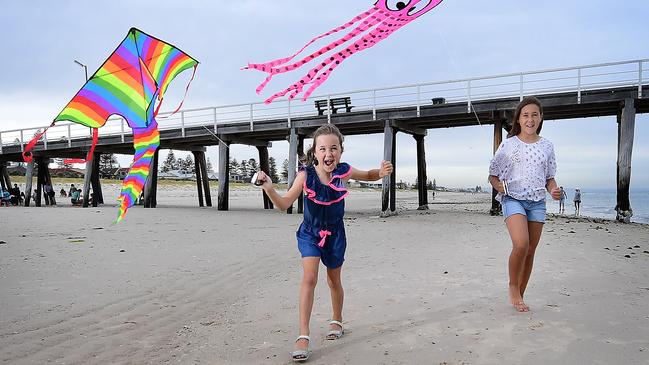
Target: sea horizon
[[601, 202]]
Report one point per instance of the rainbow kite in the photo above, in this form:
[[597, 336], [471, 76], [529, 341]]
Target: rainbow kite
[[128, 84]]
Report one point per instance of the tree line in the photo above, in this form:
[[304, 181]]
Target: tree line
[[244, 168]]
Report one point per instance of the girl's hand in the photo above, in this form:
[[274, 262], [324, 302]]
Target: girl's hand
[[556, 193], [501, 188], [385, 169], [265, 180]]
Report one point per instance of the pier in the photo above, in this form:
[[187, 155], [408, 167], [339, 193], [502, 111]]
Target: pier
[[611, 89]]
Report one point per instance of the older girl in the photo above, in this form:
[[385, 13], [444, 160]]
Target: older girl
[[522, 170]]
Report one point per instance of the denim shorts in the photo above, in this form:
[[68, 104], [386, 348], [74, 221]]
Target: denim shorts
[[534, 211]]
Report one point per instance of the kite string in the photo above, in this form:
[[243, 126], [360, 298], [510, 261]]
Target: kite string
[[455, 67], [217, 137]]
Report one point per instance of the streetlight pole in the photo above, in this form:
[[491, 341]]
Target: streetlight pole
[[85, 68]]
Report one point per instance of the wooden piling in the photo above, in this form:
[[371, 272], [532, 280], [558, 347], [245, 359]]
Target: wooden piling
[[199, 184], [224, 175], [205, 177], [87, 182], [292, 162], [421, 172], [97, 194], [4, 177], [389, 139], [625, 131], [264, 166], [393, 176], [39, 181], [48, 180], [496, 209], [154, 173], [151, 185], [300, 154], [29, 175]]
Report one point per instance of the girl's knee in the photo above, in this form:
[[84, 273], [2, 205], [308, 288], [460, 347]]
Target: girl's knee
[[521, 247], [310, 280], [334, 283]]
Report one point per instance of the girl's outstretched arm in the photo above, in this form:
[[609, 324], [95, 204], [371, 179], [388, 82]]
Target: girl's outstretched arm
[[285, 201], [374, 174]]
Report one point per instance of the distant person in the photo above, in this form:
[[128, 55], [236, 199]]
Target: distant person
[[562, 201], [75, 197], [16, 195], [48, 194], [321, 236], [577, 200], [522, 170], [5, 197], [72, 189], [63, 194]]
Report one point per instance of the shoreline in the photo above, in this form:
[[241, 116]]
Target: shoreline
[[111, 189]]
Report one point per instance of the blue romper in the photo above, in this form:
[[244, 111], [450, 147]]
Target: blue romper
[[322, 233]]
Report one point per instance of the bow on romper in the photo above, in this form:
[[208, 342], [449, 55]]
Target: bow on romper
[[322, 233]]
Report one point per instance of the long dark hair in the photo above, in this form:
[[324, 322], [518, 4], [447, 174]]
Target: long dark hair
[[309, 158], [516, 126]]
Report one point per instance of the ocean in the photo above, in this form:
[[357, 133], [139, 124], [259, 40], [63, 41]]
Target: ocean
[[601, 203]]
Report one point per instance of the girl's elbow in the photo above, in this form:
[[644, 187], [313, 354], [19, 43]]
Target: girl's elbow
[[282, 206]]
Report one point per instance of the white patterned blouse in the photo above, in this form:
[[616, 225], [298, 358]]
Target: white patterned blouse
[[526, 167]]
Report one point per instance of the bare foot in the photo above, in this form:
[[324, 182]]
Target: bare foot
[[516, 299], [520, 306]]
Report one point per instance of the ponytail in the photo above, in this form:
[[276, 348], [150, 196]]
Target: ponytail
[[309, 158]]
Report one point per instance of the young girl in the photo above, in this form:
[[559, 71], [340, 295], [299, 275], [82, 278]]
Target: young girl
[[522, 169], [321, 236]]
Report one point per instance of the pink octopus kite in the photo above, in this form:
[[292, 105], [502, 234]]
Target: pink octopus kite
[[377, 23]]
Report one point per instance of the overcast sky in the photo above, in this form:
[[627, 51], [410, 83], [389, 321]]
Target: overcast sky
[[458, 39]]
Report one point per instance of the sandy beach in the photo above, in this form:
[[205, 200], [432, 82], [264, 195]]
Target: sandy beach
[[188, 285]]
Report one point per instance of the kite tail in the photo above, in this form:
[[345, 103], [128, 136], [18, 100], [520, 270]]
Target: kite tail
[[146, 142], [27, 151], [95, 137]]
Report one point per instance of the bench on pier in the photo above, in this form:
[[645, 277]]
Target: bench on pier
[[335, 104], [438, 101]]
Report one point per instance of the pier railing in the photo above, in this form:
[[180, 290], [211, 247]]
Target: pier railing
[[559, 80]]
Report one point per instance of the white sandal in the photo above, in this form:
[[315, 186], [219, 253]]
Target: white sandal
[[335, 334], [301, 355]]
